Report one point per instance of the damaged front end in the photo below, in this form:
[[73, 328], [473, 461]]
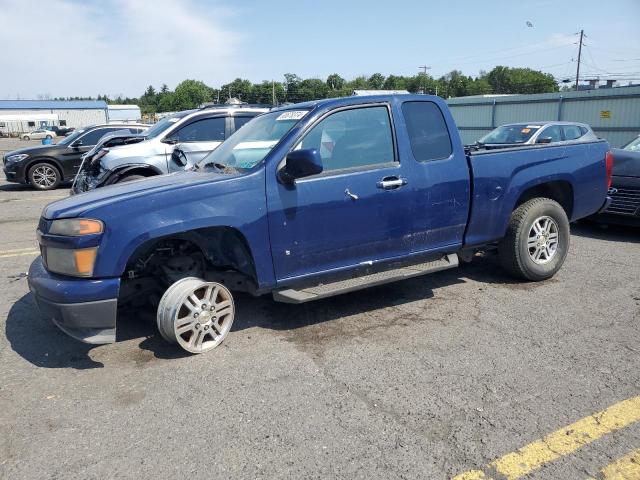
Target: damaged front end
[[92, 173]]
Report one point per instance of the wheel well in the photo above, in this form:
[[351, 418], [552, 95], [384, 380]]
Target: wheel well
[[144, 171], [217, 254], [560, 191], [42, 160]]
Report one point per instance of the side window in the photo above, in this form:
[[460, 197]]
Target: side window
[[63, 123], [31, 124], [93, 136], [552, 132], [428, 132], [207, 130], [240, 121], [352, 138], [571, 132]]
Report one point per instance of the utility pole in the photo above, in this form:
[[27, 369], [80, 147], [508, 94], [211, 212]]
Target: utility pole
[[579, 56], [273, 93], [424, 69]]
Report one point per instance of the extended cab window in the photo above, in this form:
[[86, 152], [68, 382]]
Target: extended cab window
[[206, 130], [428, 132], [352, 138]]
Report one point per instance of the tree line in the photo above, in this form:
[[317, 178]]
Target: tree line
[[192, 93]]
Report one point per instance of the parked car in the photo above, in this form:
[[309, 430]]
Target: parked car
[[38, 134], [60, 131], [45, 166], [305, 202], [530, 133], [625, 187], [190, 134]]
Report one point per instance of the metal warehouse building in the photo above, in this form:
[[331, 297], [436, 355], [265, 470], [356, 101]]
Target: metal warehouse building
[[18, 116], [613, 113]]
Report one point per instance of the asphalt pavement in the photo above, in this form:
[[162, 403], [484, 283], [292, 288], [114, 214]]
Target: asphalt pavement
[[465, 373]]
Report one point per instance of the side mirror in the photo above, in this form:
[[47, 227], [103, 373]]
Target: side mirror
[[171, 140], [178, 157], [544, 140], [76, 144], [299, 164]]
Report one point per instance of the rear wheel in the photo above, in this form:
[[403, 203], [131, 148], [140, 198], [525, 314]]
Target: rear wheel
[[195, 314], [537, 240], [26, 137], [44, 176], [49, 137]]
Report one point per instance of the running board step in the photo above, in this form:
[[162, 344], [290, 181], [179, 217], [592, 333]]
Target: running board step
[[352, 284]]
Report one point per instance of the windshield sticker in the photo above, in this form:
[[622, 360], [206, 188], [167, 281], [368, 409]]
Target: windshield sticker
[[292, 115], [255, 144], [525, 130], [173, 120], [533, 126]]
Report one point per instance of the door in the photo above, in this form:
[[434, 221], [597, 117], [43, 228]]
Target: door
[[440, 176], [355, 212], [196, 139]]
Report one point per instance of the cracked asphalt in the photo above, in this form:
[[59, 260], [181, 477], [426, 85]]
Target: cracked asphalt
[[427, 378]]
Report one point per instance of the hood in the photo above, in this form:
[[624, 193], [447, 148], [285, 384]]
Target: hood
[[38, 150], [626, 163], [112, 195]]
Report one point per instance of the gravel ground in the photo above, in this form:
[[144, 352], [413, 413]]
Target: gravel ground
[[426, 378]]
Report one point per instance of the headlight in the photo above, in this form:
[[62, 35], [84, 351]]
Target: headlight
[[75, 227], [78, 263], [15, 158]]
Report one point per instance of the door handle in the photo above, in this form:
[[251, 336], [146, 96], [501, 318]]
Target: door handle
[[352, 196], [390, 183]]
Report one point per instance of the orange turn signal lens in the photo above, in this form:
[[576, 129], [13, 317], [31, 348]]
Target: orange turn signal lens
[[85, 259], [87, 227]]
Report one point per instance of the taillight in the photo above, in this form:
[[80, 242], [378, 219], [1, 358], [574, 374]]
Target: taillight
[[608, 162]]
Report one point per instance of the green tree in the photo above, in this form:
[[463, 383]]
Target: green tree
[[191, 93], [376, 81], [520, 80], [335, 82]]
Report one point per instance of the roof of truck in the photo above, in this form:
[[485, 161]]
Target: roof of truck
[[355, 100]]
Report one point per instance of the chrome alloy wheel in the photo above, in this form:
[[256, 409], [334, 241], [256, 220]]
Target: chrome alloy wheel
[[542, 242], [44, 176], [195, 314]]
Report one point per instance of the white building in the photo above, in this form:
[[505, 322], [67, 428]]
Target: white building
[[18, 116], [124, 113]]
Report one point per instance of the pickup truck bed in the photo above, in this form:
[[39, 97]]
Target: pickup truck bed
[[307, 201]]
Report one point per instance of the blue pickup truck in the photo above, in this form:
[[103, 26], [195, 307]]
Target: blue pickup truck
[[304, 202]]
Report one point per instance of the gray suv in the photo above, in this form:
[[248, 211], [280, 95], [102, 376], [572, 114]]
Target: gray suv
[[176, 142]]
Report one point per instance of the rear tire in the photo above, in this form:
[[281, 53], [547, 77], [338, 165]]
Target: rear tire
[[44, 176], [130, 178], [537, 240]]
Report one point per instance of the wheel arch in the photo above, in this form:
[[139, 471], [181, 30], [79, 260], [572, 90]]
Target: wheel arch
[[135, 169], [223, 247], [559, 190]]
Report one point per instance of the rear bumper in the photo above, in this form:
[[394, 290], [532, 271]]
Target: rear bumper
[[84, 309]]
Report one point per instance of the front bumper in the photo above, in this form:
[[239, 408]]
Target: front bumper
[[12, 174], [84, 309]]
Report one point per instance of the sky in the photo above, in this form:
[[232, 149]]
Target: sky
[[118, 47]]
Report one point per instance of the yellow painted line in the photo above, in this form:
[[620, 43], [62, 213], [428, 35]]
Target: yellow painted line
[[20, 254], [471, 475], [562, 442], [624, 468]]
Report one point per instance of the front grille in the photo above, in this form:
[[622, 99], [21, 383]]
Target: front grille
[[625, 201]]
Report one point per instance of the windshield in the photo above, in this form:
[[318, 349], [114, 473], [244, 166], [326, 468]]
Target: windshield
[[510, 134], [67, 140], [633, 146], [163, 124], [251, 144]]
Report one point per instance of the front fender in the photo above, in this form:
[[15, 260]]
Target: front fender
[[236, 202]]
